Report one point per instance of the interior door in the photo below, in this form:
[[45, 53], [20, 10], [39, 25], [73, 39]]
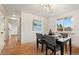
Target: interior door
[[1, 32]]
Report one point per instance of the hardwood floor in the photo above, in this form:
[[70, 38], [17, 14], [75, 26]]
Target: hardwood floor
[[30, 49]]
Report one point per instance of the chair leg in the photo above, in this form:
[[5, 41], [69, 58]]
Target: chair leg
[[42, 47], [37, 45], [46, 49], [54, 51]]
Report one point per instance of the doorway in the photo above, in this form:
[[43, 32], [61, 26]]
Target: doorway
[[14, 32]]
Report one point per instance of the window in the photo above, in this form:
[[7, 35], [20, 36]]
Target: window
[[65, 24], [60, 24], [37, 26]]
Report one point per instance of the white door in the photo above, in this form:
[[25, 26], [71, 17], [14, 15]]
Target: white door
[[1, 32]]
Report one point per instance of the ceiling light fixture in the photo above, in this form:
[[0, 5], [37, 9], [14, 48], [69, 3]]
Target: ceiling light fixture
[[13, 15], [48, 7]]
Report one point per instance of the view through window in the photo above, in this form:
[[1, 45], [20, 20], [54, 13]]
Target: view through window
[[65, 24]]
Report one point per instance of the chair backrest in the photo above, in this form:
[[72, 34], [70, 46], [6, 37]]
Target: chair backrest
[[50, 40], [39, 36]]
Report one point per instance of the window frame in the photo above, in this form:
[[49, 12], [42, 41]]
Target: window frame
[[63, 18]]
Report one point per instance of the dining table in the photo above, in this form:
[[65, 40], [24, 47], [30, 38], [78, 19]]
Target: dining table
[[62, 41]]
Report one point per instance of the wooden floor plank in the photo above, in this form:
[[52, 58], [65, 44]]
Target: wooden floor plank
[[30, 49]]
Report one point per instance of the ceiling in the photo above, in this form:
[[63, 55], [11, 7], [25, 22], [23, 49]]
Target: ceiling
[[38, 10]]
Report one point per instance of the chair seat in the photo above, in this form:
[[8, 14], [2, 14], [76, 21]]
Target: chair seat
[[52, 47], [40, 41]]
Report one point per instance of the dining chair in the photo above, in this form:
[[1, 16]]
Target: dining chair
[[40, 40], [51, 44]]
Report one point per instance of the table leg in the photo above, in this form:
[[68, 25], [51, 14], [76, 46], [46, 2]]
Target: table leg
[[46, 49], [66, 47], [37, 44], [70, 46], [62, 49]]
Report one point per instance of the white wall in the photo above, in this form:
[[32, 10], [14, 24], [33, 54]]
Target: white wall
[[2, 26], [27, 35], [75, 35], [6, 28]]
